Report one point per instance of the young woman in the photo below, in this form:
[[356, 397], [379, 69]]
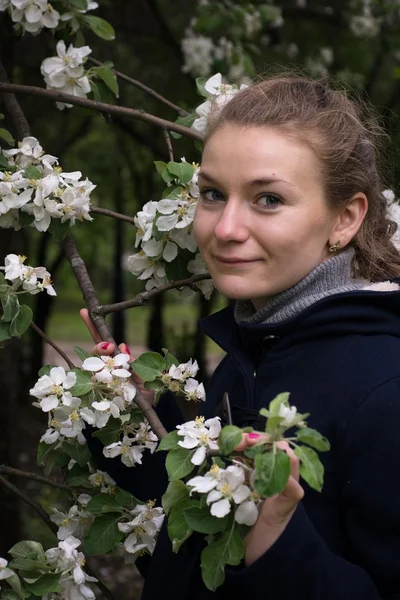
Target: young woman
[[292, 224]]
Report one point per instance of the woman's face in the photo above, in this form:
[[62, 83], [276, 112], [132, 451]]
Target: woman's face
[[262, 222]]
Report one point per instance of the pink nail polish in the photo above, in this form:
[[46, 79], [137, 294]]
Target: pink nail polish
[[105, 345], [253, 436]]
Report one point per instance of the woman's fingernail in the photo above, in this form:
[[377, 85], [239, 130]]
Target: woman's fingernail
[[105, 345], [127, 349], [253, 436]]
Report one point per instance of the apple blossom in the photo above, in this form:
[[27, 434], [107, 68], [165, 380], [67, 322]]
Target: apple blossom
[[105, 367], [200, 434], [76, 521], [142, 529], [103, 480], [51, 389], [131, 453], [288, 413]]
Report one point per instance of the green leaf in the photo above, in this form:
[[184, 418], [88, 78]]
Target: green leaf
[[78, 476], [4, 166], [178, 529], [313, 438], [169, 359], [275, 404], [111, 433], [163, 171], [10, 306], [178, 463], [29, 564], [79, 452], [79, 4], [103, 534], [4, 334], [27, 548], [9, 595], [187, 121], [200, 84], [273, 470], [229, 438], [109, 78], [125, 499], [200, 519], [59, 230], [176, 491], [103, 503], [84, 383], [311, 468], [227, 550], [183, 171], [32, 172], [50, 582], [81, 353], [100, 27], [177, 269], [25, 219], [169, 441], [6, 135], [149, 366], [50, 455], [21, 321], [15, 583]]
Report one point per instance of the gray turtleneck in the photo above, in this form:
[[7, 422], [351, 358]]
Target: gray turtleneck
[[332, 276]]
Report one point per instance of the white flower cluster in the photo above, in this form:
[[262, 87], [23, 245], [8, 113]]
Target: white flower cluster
[[76, 521], [219, 94], [172, 218], [33, 15], [132, 446], [32, 279], [200, 434], [35, 184], [66, 73], [102, 480], [226, 489], [393, 214], [364, 24], [66, 560], [5, 572], [180, 379], [142, 529]]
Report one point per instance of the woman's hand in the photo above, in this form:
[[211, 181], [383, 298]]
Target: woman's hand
[[275, 512], [107, 348]]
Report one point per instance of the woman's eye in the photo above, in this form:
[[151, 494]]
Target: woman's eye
[[211, 195], [269, 201]]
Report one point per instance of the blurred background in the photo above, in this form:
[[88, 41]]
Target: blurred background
[[165, 45]]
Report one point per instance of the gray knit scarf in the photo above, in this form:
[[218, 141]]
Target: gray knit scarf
[[332, 276]]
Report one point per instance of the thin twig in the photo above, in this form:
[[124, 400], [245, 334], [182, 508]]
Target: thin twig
[[13, 108], [142, 86], [35, 477], [36, 507], [167, 138], [89, 295], [52, 526], [53, 345], [143, 298], [111, 213], [109, 109]]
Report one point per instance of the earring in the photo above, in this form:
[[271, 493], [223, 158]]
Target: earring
[[334, 247]]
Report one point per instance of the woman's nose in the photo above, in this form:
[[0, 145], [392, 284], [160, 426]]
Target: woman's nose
[[231, 226]]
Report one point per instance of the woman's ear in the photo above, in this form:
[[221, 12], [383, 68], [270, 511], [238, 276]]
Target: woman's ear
[[350, 219]]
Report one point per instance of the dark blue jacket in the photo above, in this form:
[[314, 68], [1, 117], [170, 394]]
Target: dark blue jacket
[[340, 360]]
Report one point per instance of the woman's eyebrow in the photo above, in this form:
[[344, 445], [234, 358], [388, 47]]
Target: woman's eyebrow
[[255, 182]]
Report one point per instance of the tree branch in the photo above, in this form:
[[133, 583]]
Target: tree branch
[[168, 141], [13, 108], [109, 109], [52, 526], [111, 213], [89, 295], [142, 86], [143, 298], [35, 477], [53, 345]]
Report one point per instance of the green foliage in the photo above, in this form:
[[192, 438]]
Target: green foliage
[[6, 135], [81, 353], [226, 550], [178, 463], [311, 468], [100, 27], [109, 78], [200, 519], [169, 441], [149, 366], [111, 433], [103, 534], [273, 470], [176, 492], [229, 438], [84, 383], [313, 438]]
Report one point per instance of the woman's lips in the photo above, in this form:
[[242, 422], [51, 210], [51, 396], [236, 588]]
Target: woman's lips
[[234, 260]]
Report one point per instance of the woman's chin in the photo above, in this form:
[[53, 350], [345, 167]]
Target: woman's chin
[[241, 289]]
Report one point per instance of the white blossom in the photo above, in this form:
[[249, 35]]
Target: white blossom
[[105, 367], [198, 52], [131, 453], [51, 389], [142, 529], [5, 573], [288, 413], [75, 522], [103, 480], [200, 434], [32, 15]]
